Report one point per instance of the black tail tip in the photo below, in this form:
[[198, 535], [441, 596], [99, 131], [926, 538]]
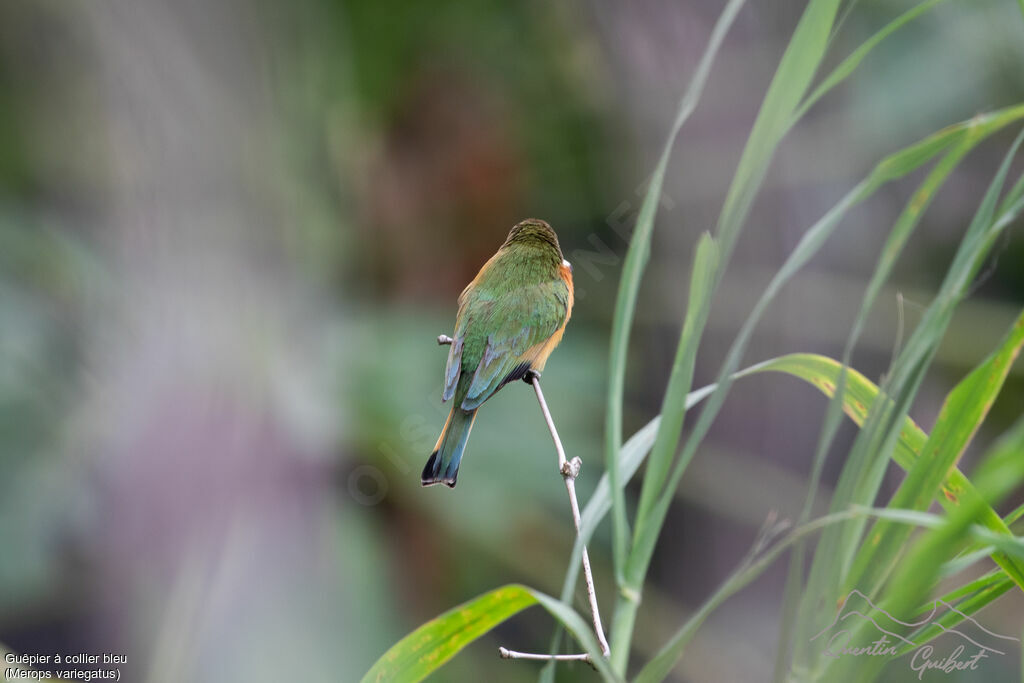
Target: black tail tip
[[432, 473]]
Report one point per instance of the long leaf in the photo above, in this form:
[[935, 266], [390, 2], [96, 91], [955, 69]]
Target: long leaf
[[792, 78], [850, 64], [823, 373], [865, 465], [629, 286], [1015, 515], [918, 489], [753, 566], [796, 69], [648, 530], [968, 600], [961, 415], [673, 407], [427, 648], [1000, 472], [658, 668]]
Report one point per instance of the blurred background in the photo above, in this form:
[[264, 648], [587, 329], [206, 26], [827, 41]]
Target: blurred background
[[231, 231]]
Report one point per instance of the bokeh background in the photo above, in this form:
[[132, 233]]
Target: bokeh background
[[230, 232]]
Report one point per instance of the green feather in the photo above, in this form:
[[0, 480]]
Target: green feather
[[516, 302], [519, 300]]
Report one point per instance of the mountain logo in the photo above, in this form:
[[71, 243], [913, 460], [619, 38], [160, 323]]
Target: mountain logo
[[859, 618]]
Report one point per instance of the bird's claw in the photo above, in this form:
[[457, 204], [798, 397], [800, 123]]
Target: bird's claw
[[571, 468], [530, 376]]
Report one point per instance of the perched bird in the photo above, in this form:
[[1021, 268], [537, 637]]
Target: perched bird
[[511, 317]]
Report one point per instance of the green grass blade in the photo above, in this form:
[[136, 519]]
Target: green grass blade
[[754, 565], [905, 161], [427, 648], [648, 532], [1015, 515], [581, 631], [974, 554], [860, 394], [857, 402], [960, 417], [962, 137], [911, 518], [965, 408], [424, 650], [892, 166], [1000, 472], [705, 267], [823, 373], [673, 407], [850, 64], [634, 451], [918, 573], [862, 474], [985, 581], [629, 286], [659, 667], [980, 593], [793, 77], [1013, 196]]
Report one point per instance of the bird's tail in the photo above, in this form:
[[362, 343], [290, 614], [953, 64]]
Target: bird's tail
[[443, 465]]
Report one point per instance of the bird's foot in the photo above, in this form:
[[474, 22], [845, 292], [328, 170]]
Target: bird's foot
[[571, 468], [530, 376]]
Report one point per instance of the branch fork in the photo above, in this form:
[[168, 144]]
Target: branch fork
[[569, 469]]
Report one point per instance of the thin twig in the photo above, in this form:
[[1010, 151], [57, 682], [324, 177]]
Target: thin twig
[[569, 469], [512, 654]]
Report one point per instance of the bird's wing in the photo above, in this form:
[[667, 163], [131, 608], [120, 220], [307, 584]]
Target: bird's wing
[[474, 308], [521, 322], [451, 371]]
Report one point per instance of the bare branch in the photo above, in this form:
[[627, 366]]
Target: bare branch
[[512, 654], [570, 469]]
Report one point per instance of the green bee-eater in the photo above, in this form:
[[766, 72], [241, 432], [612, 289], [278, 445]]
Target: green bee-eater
[[511, 317]]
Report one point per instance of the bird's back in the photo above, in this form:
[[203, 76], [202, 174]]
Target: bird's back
[[518, 300]]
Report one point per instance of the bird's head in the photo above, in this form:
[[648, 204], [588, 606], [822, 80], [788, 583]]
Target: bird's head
[[534, 233]]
